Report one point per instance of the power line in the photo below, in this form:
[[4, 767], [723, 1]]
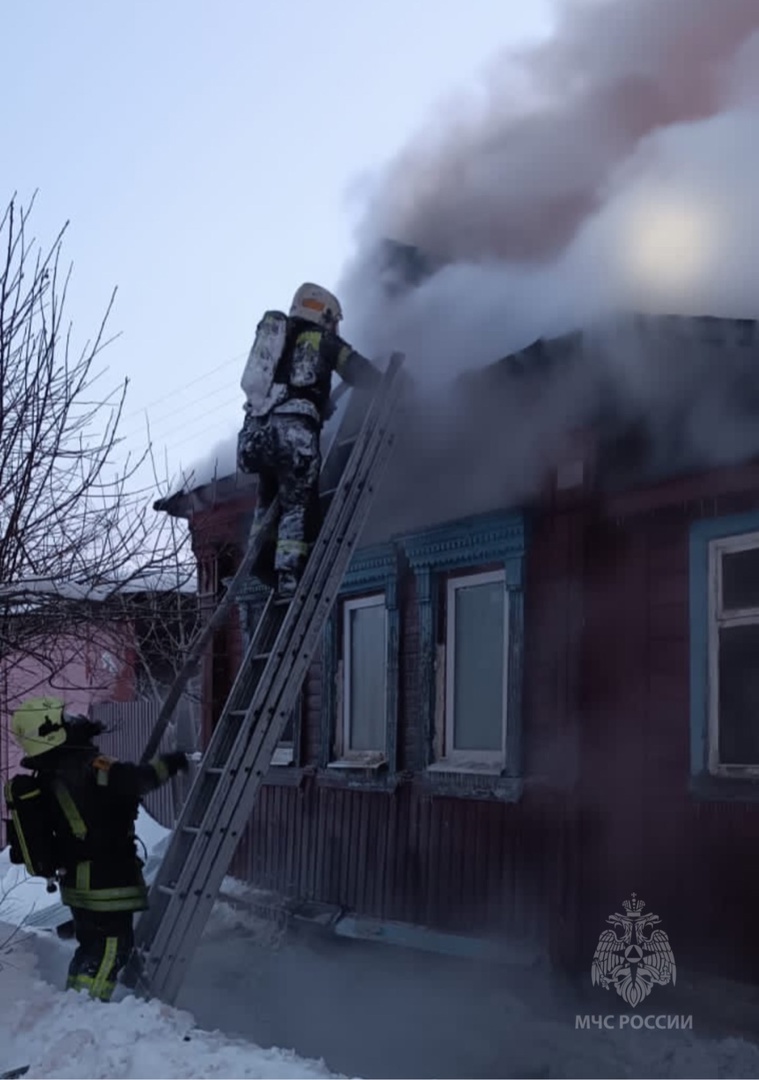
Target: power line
[[195, 433], [200, 378], [155, 424]]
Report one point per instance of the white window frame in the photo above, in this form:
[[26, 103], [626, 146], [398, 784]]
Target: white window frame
[[717, 620], [473, 759], [345, 750]]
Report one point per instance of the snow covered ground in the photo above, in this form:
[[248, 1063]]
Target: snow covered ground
[[61, 1034], [67, 1035], [365, 1010]]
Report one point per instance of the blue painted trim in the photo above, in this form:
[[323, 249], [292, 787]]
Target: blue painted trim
[[515, 661], [495, 537], [702, 533], [371, 570], [499, 537]]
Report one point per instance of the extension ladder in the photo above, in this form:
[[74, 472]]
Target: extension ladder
[[261, 701]]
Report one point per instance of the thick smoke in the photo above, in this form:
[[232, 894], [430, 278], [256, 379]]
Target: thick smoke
[[611, 167]]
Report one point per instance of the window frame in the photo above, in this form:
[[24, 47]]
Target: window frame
[[473, 545], [372, 571], [472, 758], [717, 549], [708, 780], [357, 603]]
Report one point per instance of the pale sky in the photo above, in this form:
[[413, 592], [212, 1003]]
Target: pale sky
[[205, 154]]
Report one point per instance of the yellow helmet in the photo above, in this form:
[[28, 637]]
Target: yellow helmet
[[37, 726], [318, 305]]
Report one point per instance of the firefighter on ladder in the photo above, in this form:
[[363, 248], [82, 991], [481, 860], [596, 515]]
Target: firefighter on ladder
[[74, 818], [287, 383]]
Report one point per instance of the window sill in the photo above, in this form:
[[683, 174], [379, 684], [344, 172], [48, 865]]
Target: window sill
[[488, 783], [466, 768], [283, 755], [371, 760], [725, 788], [349, 774]]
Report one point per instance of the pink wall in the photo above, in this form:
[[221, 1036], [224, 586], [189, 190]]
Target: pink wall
[[83, 673]]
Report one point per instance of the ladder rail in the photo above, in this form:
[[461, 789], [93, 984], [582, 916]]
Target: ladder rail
[[195, 904], [204, 636], [276, 685], [217, 800], [220, 733], [243, 674]]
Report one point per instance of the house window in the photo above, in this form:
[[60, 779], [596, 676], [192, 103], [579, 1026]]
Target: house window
[[364, 675], [469, 577], [476, 669], [360, 670], [733, 652]]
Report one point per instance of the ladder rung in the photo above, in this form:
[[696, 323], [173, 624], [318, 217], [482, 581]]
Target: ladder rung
[[214, 770], [193, 830], [169, 890], [237, 712]]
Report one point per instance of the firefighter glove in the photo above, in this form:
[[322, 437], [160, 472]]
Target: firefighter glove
[[175, 762]]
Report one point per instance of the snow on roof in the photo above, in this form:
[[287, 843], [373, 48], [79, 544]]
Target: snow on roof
[[66, 590], [150, 581], [160, 581]]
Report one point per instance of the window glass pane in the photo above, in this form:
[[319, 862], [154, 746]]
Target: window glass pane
[[740, 580], [367, 678], [739, 695], [478, 667], [288, 735]]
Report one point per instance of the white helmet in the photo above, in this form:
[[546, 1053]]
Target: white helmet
[[317, 305]]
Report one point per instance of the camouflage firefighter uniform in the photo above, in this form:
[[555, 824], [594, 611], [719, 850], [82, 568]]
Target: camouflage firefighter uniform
[[283, 447]]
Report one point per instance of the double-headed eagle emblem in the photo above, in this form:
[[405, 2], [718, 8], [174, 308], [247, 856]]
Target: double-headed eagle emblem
[[633, 956]]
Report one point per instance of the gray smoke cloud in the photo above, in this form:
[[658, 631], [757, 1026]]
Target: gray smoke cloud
[[611, 167]]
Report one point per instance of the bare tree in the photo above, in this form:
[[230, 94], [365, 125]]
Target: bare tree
[[77, 533]]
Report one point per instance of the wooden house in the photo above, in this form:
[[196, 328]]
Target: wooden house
[[539, 691]]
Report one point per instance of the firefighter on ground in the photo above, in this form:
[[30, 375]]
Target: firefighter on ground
[[74, 819], [287, 382]]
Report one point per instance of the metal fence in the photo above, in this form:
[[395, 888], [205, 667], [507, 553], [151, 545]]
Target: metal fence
[[128, 727]]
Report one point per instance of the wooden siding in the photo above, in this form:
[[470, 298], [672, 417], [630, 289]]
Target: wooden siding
[[454, 864], [405, 852], [690, 860]]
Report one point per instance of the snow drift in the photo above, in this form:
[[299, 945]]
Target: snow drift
[[68, 1035]]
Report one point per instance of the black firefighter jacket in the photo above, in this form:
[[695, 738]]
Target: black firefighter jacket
[[93, 802]]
